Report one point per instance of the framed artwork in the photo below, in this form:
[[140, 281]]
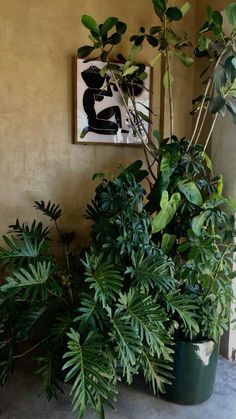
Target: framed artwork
[[99, 113]]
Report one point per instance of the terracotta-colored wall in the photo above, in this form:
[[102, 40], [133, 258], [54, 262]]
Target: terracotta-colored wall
[[38, 160]]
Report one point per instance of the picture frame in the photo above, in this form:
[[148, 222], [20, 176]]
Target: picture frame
[[99, 114]]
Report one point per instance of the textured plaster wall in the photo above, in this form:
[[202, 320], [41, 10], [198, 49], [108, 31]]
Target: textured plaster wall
[[38, 160]]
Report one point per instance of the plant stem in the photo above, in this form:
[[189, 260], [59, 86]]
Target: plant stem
[[203, 119], [205, 95], [210, 132], [128, 112], [170, 94], [31, 349]]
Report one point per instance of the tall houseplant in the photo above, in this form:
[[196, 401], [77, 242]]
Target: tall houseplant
[[186, 198]]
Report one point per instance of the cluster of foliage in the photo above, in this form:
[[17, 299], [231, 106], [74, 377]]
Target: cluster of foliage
[[158, 266], [106, 314]]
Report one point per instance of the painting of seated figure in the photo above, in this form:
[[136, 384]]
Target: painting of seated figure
[[100, 114]]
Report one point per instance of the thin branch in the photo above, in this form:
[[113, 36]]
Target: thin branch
[[170, 94], [210, 132], [204, 118], [31, 349]]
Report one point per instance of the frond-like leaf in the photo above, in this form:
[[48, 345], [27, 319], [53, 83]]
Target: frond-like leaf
[[52, 211], [46, 369], [19, 250], [152, 273], [104, 279], [148, 318], [29, 318], [93, 382], [31, 283], [185, 307], [156, 371], [35, 231], [91, 313], [61, 326], [127, 344]]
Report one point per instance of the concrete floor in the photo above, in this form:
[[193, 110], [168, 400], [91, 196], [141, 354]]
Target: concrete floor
[[19, 400]]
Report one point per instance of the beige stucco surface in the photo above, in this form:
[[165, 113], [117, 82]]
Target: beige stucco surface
[[38, 159]]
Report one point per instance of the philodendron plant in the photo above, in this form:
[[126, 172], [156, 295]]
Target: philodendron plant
[[103, 315]]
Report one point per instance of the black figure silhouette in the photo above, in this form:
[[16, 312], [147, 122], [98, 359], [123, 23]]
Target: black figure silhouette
[[99, 122]]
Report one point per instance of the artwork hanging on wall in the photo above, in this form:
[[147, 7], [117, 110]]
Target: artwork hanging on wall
[[99, 112]]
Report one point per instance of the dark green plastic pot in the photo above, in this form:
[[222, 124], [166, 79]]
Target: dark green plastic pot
[[194, 371]]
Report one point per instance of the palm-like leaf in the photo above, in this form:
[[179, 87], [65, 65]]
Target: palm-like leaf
[[61, 326], [127, 344], [152, 272], [185, 307], [52, 211], [29, 318], [90, 312], [34, 231], [148, 318], [31, 283], [156, 371], [89, 369], [103, 278], [19, 250], [46, 369]]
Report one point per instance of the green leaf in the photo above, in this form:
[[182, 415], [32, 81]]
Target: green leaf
[[51, 210], [93, 383], [186, 309], [159, 4], [217, 18], [46, 368], [231, 14], [155, 371], [191, 192], [208, 162], [90, 24], [156, 58], [155, 29], [187, 61], [168, 80], [217, 103], [152, 40], [168, 210], [134, 51], [114, 39], [85, 51], [121, 27], [127, 344], [153, 272], [130, 70], [108, 25], [198, 222], [157, 136], [103, 278], [31, 282], [185, 8], [147, 317], [167, 243], [174, 13]]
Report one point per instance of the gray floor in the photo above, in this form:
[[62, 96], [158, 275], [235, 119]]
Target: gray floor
[[19, 400]]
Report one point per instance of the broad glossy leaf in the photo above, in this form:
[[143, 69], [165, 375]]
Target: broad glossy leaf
[[198, 222], [134, 51], [217, 103], [191, 192], [174, 13], [90, 23], [85, 51], [187, 61], [114, 39], [167, 243], [185, 8], [167, 212], [217, 18], [160, 4], [108, 24], [231, 13], [130, 70], [208, 162], [121, 27]]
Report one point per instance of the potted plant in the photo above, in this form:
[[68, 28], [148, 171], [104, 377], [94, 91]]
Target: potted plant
[[103, 314], [185, 198]]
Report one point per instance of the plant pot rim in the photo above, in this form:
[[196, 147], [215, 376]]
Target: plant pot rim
[[186, 342]]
